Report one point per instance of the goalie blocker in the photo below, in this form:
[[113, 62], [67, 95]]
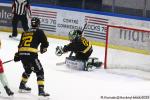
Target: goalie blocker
[[89, 65]]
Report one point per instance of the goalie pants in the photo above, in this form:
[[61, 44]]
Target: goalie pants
[[30, 65], [84, 56]]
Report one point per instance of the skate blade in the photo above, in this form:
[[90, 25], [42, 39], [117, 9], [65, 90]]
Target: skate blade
[[43, 98], [11, 96], [23, 91]]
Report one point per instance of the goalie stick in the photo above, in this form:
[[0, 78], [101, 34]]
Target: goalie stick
[[71, 53], [60, 63]]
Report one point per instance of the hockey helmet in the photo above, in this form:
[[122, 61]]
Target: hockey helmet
[[35, 22], [74, 34]]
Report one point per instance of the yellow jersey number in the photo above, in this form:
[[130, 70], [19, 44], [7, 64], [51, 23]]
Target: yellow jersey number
[[85, 42], [26, 41]]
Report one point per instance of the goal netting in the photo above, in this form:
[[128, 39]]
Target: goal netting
[[127, 49]]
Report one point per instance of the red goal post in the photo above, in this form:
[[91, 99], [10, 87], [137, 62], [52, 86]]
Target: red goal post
[[127, 48]]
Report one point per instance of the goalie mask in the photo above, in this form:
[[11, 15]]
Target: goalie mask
[[75, 34], [35, 22]]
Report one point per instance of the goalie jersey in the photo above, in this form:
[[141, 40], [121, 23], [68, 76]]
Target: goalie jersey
[[81, 47]]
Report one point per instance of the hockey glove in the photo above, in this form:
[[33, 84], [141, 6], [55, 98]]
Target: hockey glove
[[42, 49], [16, 57], [59, 51]]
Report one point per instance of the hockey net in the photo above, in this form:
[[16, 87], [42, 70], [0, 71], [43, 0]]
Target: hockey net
[[127, 51]]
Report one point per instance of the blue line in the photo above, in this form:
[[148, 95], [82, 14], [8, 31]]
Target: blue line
[[88, 11]]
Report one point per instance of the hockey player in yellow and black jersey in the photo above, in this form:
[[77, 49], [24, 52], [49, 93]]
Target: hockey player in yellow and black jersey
[[28, 54], [82, 49]]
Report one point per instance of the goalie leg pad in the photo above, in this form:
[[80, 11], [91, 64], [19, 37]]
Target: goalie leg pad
[[72, 63], [89, 65]]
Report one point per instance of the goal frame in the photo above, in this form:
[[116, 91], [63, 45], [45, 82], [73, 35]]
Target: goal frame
[[107, 39]]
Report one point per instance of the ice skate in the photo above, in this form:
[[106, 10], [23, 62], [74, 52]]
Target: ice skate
[[11, 36], [44, 94], [14, 37], [89, 68], [24, 89], [8, 91]]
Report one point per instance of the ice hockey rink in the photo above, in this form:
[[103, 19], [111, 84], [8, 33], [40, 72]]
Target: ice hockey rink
[[67, 84]]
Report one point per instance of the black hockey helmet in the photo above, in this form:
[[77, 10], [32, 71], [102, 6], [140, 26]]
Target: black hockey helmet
[[79, 32], [35, 22], [74, 34]]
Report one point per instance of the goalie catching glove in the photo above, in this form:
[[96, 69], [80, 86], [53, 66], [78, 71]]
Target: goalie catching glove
[[59, 50]]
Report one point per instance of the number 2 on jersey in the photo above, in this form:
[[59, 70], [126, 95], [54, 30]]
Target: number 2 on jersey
[[26, 41]]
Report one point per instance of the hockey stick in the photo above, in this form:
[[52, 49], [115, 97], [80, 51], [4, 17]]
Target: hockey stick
[[12, 59], [7, 61], [84, 26], [60, 63]]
